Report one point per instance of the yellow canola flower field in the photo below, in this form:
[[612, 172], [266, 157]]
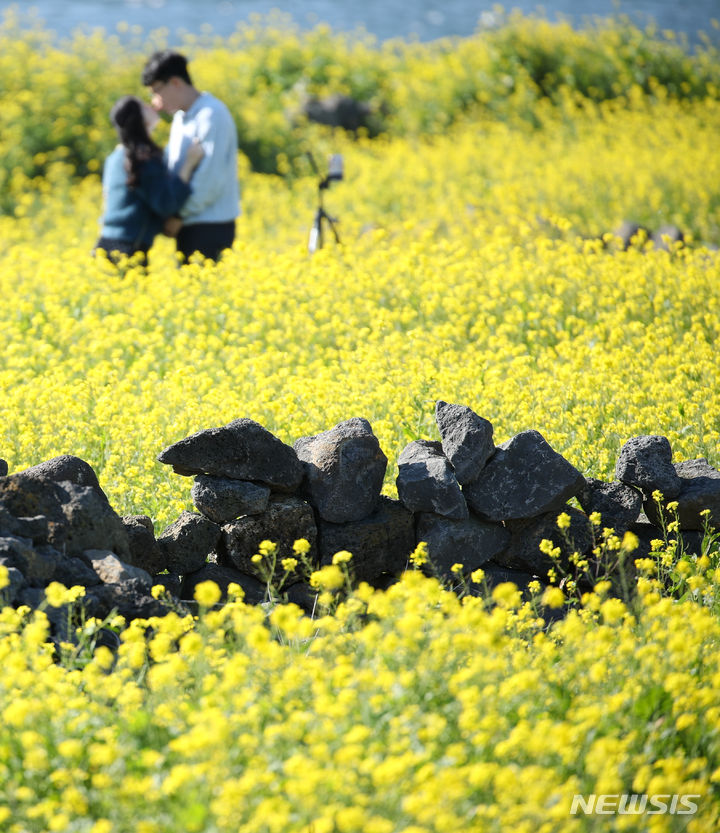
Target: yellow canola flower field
[[409, 711], [474, 267], [471, 269]]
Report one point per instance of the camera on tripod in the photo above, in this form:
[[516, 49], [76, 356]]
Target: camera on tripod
[[334, 174]]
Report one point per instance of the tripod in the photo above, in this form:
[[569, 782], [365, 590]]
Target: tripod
[[322, 218]]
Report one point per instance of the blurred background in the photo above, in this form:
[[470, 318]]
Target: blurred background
[[421, 19]]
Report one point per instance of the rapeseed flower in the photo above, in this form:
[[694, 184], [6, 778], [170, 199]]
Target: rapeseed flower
[[207, 593]]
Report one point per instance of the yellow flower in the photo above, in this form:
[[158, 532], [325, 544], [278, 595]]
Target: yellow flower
[[207, 593], [507, 594], [684, 721], [56, 594], [325, 599], [612, 610], [553, 597], [330, 577], [563, 520], [602, 587], [342, 557], [301, 546], [696, 583], [630, 541], [419, 556], [235, 592]]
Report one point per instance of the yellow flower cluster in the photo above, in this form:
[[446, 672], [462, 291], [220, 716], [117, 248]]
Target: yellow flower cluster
[[55, 96], [429, 714]]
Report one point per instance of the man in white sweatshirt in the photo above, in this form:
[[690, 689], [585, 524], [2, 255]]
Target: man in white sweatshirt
[[206, 223]]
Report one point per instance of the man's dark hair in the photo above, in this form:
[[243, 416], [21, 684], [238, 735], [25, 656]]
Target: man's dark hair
[[164, 65]]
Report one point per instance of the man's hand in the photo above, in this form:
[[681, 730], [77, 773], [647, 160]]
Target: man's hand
[[172, 226]]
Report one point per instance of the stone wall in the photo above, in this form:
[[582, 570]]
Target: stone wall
[[474, 503]]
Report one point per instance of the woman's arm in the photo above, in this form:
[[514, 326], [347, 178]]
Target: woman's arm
[[163, 191], [193, 157]]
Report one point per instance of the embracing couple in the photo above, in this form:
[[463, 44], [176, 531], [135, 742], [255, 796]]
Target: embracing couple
[[190, 190]]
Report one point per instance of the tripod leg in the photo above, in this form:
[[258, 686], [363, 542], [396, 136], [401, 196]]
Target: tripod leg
[[334, 230], [315, 241]]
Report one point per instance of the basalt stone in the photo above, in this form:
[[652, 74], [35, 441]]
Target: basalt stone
[[632, 233], [471, 542], [467, 439], [646, 463], [303, 595], [111, 570], [666, 235], [380, 544], [223, 575], [91, 522], [59, 618], [32, 497], [426, 481], [344, 471], [37, 567], [242, 450], [619, 505], [172, 582], [699, 490], [66, 468], [525, 478], [77, 517], [690, 540], [144, 552], [42, 564], [385, 580], [70, 571], [497, 574], [222, 499], [523, 551], [3, 467], [16, 584], [338, 110], [185, 545], [287, 519], [36, 528], [131, 600]]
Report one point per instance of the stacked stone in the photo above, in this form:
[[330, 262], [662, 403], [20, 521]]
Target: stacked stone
[[484, 506], [56, 524], [474, 504], [250, 486], [481, 505], [244, 490]]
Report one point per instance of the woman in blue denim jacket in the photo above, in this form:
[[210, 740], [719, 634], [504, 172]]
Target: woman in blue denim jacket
[[139, 192]]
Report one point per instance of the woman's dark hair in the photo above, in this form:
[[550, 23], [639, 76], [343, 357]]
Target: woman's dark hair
[[127, 116], [164, 65]]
